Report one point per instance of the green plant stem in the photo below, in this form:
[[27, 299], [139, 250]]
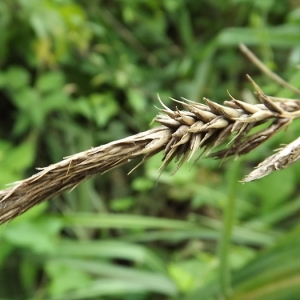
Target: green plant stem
[[228, 221]]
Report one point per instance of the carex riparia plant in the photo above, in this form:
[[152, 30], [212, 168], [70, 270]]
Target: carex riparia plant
[[216, 130]]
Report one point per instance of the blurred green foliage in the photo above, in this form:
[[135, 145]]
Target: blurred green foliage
[[76, 74]]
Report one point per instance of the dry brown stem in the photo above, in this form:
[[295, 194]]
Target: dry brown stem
[[70, 172], [256, 61], [182, 132]]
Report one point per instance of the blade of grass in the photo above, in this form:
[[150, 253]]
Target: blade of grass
[[110, 249], [239, 235], [229, 212], [103, 287], [148, 281], [202, 71], [280, 36], [283, 212], [122, 221]]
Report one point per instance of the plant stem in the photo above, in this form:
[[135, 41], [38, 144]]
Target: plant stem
[[228, 221]]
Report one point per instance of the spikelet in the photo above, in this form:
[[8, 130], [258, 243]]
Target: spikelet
[[208, 126]]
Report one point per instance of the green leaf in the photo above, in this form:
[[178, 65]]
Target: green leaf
[[136, 100], [122, 221], [50, 81], [112, 249], [36, 236], [64, 278], [142, 184], [281, 36], [121, 204], [16, 77], [103, 287], [105, 107], [146, 281], [21, 157]]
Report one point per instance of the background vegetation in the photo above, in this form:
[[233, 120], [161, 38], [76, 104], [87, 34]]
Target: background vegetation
[[76, 74]]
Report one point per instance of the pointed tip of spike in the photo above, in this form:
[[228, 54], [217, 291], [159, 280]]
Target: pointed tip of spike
[[256, 87], [178, 101], [231, 97], [163, 105]]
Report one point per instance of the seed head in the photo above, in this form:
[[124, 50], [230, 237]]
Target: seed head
[[211, 124]]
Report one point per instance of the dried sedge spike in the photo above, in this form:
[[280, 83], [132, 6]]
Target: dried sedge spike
[[248, 143], [208, 126], [183, 132], [282, 159]]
